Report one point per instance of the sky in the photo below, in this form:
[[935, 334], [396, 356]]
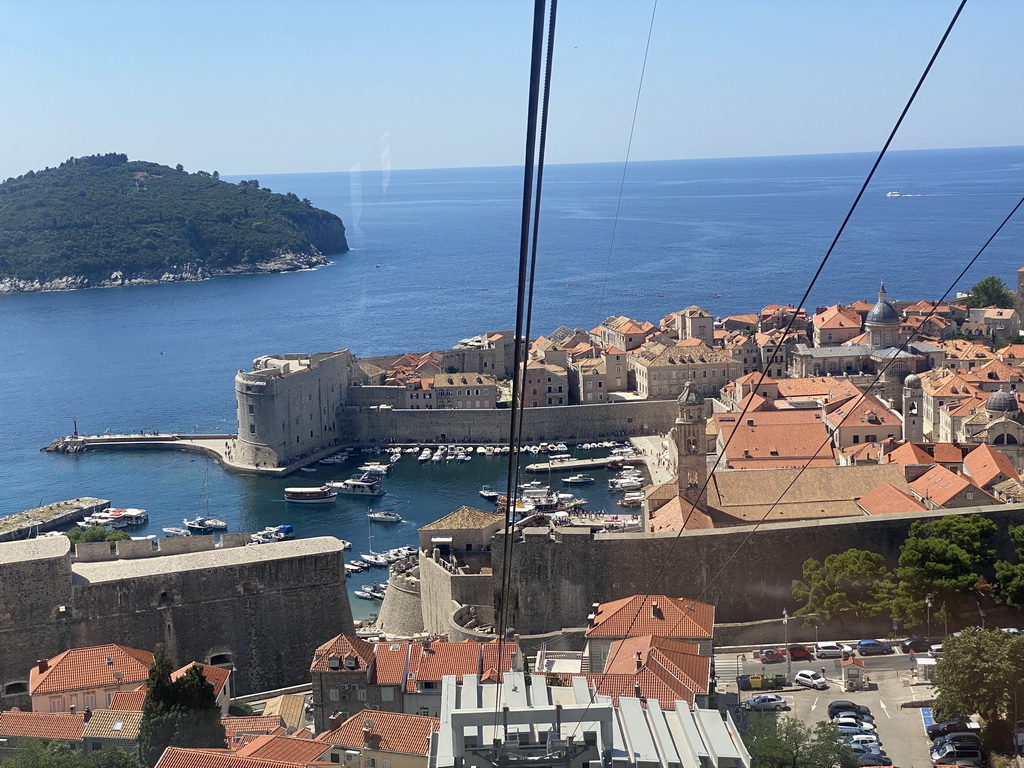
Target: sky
[[299, 86]]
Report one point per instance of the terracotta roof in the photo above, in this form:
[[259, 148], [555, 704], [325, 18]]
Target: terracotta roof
[[342, 646], [787, 438], [494, 666], [660, 615], [179, 757], [1011, 352], [677, 670], [391, 663], [813, 387], [837, 317], [676, 515], [81, 668], [302, 733], [940, 486], [283, 748], [467, 518], [290, 707], [987, 466], [215, 676], [130, 701], [887, 500], [257, 724], [113, 724], [863, 410], [443, 658], [392, 732], [65, 726]]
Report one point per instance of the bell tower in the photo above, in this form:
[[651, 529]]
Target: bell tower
[[689, 433]]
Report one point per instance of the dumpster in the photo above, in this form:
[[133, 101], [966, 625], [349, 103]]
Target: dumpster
[[743, 681], [755, 682], [781, 681]]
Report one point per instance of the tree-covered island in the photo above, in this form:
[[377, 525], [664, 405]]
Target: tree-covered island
[[104, 220]]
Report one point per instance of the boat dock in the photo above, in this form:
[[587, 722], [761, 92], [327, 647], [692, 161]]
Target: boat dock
[[566, 465], [52, 517]]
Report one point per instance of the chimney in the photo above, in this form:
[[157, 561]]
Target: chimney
[[73, 708], [367, 732], [639, 660], [88, 714], [636, 690], [334, 721], [44, 664], [656, 611]]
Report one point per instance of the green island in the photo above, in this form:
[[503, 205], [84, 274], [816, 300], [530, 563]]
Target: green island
[[103, 220]]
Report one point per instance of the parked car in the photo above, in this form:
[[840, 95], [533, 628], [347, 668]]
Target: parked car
[[960, 738], [952, 752], [849, 730], [810, 679], [917, 644], [766, 701], [800, 653], [960, 724], [853, 722], [829, 650], [873, 648], [866, 749], [863, 717], [864, 738], [873, 760], [771, 655], [842, 705], [935, 651]]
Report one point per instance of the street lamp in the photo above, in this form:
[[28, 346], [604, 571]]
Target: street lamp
[[928, 603], [785, 644]]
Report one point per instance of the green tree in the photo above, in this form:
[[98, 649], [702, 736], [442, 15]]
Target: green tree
[[991, 291], [32, 753], [854, 583], [944, 558], [981, 672], [1010, 575], [775, 742], [95, 533]]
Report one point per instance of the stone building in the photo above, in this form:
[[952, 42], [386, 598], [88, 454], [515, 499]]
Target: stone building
[[463, 391], [662, 369], [343, 680], [545, 384], [259, 610], [373, 739], [835, 325], [288, 406]]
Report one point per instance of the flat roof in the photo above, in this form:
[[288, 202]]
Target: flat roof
[[34, 549], [113, 570]]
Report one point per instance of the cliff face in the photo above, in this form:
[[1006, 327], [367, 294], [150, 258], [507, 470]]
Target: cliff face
[[327, 233]]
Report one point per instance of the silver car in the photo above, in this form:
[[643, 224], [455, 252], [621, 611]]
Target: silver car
[[766, 701]]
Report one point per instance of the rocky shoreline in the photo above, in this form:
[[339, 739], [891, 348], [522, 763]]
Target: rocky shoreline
[[286, 262]]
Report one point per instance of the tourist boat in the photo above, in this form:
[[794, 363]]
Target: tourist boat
[[205, 524], [632, 499], [359, 485], [177, 531], [384, 516], [625, 484], [489, 493], [375, 468], [580, 479], [338, 458], [363, 594], [322, 495]]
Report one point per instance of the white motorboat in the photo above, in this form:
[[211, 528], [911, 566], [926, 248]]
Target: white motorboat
[[384, 516], [425, 455], [489, 493], [202, 524], [308, 495], [625, 484], [345, 544], [273, 533], [375, 468], [359, 485], [580, 479], [177, 531], [307, 469], [373, 558]]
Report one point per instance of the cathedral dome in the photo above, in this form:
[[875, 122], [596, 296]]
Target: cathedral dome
[[913, 381], [690, 395], [1001, 402], [883, 312]]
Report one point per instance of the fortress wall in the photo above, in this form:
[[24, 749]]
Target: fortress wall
[[436, 596], [571, 422], [401, 612], [473, 589], [557, 577]]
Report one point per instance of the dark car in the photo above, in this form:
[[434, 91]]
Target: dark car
[[771, 655], [873, 760], [800, 653], [873, 648], [960, 724], [846, 706], [917, 644], [960, 738]]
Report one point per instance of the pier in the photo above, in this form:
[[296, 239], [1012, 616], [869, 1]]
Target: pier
[[565, 465], [52, 517]]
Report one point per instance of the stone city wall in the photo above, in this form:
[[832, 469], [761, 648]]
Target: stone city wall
[[557, 577], [570, 422]]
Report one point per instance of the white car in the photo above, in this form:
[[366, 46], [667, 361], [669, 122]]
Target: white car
[[829, 650], [869, 739], [852, 722], [935, 651], [810, 679]]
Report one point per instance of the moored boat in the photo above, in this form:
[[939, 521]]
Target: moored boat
[[172, 531], [359, 485], [308, 495], [489, 493], [580, 479]]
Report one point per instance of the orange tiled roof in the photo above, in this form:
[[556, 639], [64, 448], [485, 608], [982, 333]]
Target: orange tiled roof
[[1012, 352], [392, 732], [653, 615], [180, 757], [130, 701], [985, 464], [81, 668], [65, 726], [837, 317], [677, 514], [343, 646], [940, 486], [283, 748], [909, 453], [215, 676], [443, 658], [391, 662], [787, 438], [492, 664], [253, 724], [888, 500]]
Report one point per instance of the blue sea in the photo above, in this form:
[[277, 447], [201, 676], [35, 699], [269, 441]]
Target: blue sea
[[434, 259]]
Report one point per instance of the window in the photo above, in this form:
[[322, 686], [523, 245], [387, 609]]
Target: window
[[361, 695], [387, 693], [56, 704], [252, 429], [252, 409], [425, 711], [332, 694], [90, 700], [335, 758]]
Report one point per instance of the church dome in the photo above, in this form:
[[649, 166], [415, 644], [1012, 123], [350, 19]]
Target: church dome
[[1001, 402], [690, 395], [883, 312], [913, 381]]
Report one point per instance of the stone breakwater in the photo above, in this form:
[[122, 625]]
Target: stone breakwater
[[286, 262]]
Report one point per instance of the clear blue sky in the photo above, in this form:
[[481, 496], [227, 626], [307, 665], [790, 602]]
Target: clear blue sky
[[333, 85]]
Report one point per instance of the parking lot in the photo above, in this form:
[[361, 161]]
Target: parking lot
[[901, 730]]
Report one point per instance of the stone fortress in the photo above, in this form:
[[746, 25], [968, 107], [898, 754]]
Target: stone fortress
[[257, 610]]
